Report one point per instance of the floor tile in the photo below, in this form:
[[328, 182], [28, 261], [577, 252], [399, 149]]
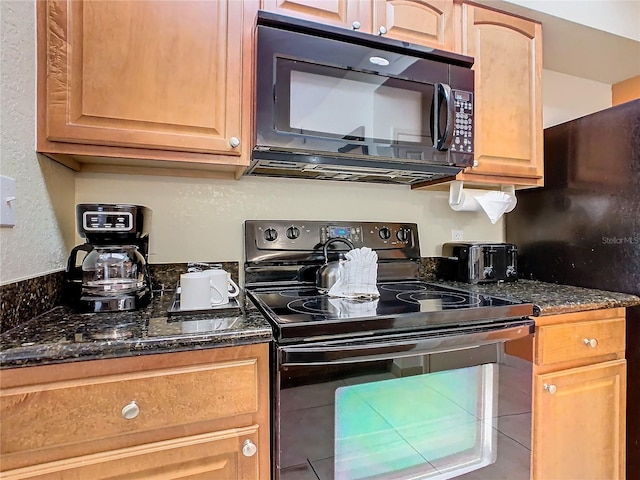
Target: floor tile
[[306, 434], [298, 472], [512, 463], [308, 396], [517, 427], [324, 468]]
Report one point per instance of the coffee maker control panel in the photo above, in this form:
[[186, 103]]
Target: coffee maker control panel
[[107, 221]]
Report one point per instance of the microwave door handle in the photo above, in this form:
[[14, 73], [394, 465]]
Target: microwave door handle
[[445, 140]]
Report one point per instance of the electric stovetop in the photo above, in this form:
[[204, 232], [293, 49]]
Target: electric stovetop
[[302, 312]]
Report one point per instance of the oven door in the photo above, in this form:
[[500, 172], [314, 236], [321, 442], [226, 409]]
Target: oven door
[[327, 96], [403, 407]]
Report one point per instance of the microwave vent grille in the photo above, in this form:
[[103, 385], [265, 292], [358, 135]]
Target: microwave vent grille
[[282, 168]]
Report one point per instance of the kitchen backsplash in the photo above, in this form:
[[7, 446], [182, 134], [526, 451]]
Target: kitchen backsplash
[[29, 298]]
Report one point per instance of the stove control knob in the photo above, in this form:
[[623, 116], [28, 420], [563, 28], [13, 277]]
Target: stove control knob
[[402, 235], [270, 234], [488, 272], [293, 233], [384, 233], [511, 271]]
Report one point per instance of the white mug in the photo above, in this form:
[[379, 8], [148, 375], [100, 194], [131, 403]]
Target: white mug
[[195, 291], [222, 287]]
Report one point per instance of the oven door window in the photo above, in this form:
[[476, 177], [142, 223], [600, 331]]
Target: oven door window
[[357, 109], [429, 426], [390, 420]]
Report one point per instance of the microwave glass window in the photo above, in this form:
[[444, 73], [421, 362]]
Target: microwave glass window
[[347, 105]]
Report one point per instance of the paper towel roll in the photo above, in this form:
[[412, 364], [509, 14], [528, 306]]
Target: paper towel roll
[[493, 203]]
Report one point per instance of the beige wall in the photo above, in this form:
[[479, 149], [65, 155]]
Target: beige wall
[[619, 17], [567, 97], [43, 235], [198, 219]]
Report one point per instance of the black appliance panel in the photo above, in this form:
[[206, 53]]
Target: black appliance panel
[[420, 130], [583, 227]]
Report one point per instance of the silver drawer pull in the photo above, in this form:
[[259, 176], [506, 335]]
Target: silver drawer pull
[[234, 142], [590, 342], [356, 25], [249, 448], [551, 388], [130, 411]]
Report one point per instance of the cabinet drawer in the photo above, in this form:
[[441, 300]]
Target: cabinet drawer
[[212, 456], [80, 410], [579, 340]]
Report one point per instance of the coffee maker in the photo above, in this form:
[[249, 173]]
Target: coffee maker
[[114, 274]]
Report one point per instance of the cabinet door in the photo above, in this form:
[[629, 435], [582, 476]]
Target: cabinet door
[[159, 75], [225, 455], [579, 423], [427, 23], [341, 13], [508, 101]]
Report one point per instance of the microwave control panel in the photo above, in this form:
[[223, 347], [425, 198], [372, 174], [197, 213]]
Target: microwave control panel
[[463, 126]]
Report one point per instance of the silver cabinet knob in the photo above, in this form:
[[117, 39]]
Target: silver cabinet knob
[[249, 448], [590, 342], [355, 25], [130, 411], [382, 30], [475, 163], [551, 388], [234, 142]]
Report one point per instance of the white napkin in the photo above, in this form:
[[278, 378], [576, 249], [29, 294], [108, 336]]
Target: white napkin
[[357, 275]]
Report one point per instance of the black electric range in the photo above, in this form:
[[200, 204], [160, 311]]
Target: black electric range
[[283, 256]]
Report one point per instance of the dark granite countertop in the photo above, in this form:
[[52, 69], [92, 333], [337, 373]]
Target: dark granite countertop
[[552, 298], [62, 335]]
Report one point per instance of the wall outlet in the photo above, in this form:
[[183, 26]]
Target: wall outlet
[[456, 235]]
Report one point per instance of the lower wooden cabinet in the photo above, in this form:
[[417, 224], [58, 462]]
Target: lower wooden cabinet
[[579, 396], [212, 456], [201, 414]]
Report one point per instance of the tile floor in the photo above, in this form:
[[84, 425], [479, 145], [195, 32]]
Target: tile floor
[[400, 435]]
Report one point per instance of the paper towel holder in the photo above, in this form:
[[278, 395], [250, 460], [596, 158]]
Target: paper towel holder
[[461, 201], [456, 192]]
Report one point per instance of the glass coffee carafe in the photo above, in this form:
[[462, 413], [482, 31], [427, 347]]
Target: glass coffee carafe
[[113, 270]]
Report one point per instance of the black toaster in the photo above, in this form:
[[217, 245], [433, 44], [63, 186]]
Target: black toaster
[[480, 262]]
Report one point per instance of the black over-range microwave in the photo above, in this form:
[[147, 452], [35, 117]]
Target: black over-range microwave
[[336, 104]]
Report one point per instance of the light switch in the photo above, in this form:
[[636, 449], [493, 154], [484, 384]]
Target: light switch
[[7, 201]]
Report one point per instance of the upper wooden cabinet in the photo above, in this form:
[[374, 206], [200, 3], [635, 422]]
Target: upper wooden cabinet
[[508, 97], [341, 13], [167, 81], [422, 22], [427, 23]]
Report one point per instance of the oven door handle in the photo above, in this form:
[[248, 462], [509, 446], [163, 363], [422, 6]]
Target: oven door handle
[[398, 346]]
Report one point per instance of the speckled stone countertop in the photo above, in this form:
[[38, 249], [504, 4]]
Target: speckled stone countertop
[[62, 335], [551, 298]]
